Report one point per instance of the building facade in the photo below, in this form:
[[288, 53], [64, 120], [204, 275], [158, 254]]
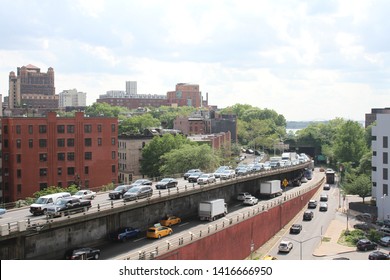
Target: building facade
[[131, 87], [137, 101], [57, 151], [216, 141], [381, 165], [72, 98], [185, 95], [371, 117], [31, 88]]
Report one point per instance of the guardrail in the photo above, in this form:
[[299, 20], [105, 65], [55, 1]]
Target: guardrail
[[37, 224]]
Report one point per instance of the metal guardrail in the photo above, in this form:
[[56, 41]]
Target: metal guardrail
[[39, 223]]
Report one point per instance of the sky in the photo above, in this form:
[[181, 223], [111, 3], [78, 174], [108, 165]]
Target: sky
[[307, 60]]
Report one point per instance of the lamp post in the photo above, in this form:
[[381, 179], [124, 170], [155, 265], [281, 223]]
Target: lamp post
[[303, 241]]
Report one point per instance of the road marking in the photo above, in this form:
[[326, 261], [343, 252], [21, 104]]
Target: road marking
[[184, 224], [139, 239]]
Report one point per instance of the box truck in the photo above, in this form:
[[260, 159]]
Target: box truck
[[270, 188], [212, 209]]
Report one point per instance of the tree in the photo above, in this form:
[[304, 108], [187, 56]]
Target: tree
[[137, 124], [105, 109], [360, 186]]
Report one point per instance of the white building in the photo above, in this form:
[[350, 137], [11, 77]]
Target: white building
[[131, 88], [381, 165], [72, 98]]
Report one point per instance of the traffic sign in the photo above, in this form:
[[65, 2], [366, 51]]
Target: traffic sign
[[285, 183]]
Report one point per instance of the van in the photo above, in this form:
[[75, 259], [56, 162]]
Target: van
[[41, 204]]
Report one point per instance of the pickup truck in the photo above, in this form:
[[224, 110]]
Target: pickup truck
[[124, 234], [68, 205]]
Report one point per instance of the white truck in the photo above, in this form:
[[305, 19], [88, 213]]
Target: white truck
[[212, 209], [292, 156], [270, 188]]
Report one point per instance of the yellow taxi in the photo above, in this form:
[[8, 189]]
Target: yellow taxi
[[170, 220], [158, 231], [269, 257]]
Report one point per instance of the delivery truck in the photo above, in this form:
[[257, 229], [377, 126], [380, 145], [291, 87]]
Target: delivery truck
[[270, 188], [212, 209]]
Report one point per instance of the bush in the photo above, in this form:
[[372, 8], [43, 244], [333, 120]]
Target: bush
[[353, 236]]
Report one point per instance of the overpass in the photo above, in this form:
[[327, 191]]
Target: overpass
[[50, 238]]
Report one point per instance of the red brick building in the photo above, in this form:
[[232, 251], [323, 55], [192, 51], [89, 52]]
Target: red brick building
[[185, 95], [57, 151]]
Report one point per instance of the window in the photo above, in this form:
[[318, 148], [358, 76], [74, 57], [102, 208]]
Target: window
[[30, 143], [19, 188], [5, 129], [374, 184], [70, 156], [113, 155], [385, 189], [88, 142], [70, 128], [374, 153], [113, 168], [87, 128], [86, 170], [113, 141], [385, 158], [373, 168], [59, 171], [18, 129], [42, 157], [113, 128], [42, 143], [5, 143], [18, 143], [61, 142], [373, 138], [99, 141], [18, 158], [88, 155], [385, 174], [42, 129], [71, 171], [385, 142], [61, 156], [70, 142], [42, 186], [99, 128], [6, 157], [42, 172], [86, 183], [61, 128], [30, 129], [19, 173], [59, 184]]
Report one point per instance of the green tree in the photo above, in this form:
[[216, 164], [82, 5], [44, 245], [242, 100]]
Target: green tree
[[167, 114], [137, 124], [360, 185], [106, 110]]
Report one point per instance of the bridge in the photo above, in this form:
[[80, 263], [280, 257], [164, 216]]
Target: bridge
[[45, 238]]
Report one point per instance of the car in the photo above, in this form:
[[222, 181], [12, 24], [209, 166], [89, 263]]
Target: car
[[379, 255], [220, 170], [269, 258], [243, 170], [141, 182], [384, 231], [363, 226], [124, 233], [158, 231], [304, 180], [384, 241], [193, 178], [326, 187], [367, 217], [323, 206], [296, 228], [206, 178], [84, 253], [243, 195], [250, 200], [138, 192], [312, 204], [383, 223], [166, 183], [228, 174], [285, 246], [85, 194], [170, 220], [323, 197], [189, 172], [365, 245], [119, 191], [3, 211], [308, 215]]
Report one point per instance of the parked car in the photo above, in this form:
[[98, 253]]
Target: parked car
[[228, 174], [296, 228], [366, 217], [308, 215], [138, 192], [384, 231], [206, 178], [363, 226], [85, 194], [365, 245], [189, 172], [123, 234], [379, 255], [2, 211], [323, 197], [158, 231], [242, 196], [119, 191], [383, 223], [312, 204], [170, 220], [219, 171], [285, 246], [384, 241], [85, 253], [141, 182], [323, 206], [166, 183], [326, 187], [193, 178], [251, 200]]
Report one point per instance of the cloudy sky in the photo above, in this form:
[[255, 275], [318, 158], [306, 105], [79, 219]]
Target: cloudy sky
[[307, 60]]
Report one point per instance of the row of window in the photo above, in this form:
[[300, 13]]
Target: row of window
[[385, 188], [61, 128], [385, 172], [385, 141], [385, 156], [70, 156], [60, 142]]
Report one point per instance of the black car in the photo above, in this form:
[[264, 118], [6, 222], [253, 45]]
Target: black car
[[378, 255], [312, 204], [295, 228], [119, 191], [189, 172], [308, 215], [85, 253], [365, 245], [363, 226], [166, 183], [193, 178]]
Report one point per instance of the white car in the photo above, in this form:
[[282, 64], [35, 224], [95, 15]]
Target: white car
[[85, 194], [250, 201], [227, 174], [285, 246], [242, 196], [206, 178]]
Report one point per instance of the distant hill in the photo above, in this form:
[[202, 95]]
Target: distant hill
[[301, 125]]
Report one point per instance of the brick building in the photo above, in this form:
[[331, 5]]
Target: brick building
[[216, 141], [57, 151], [185, 95]]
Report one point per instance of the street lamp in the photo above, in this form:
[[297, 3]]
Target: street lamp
[[301, 242]]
